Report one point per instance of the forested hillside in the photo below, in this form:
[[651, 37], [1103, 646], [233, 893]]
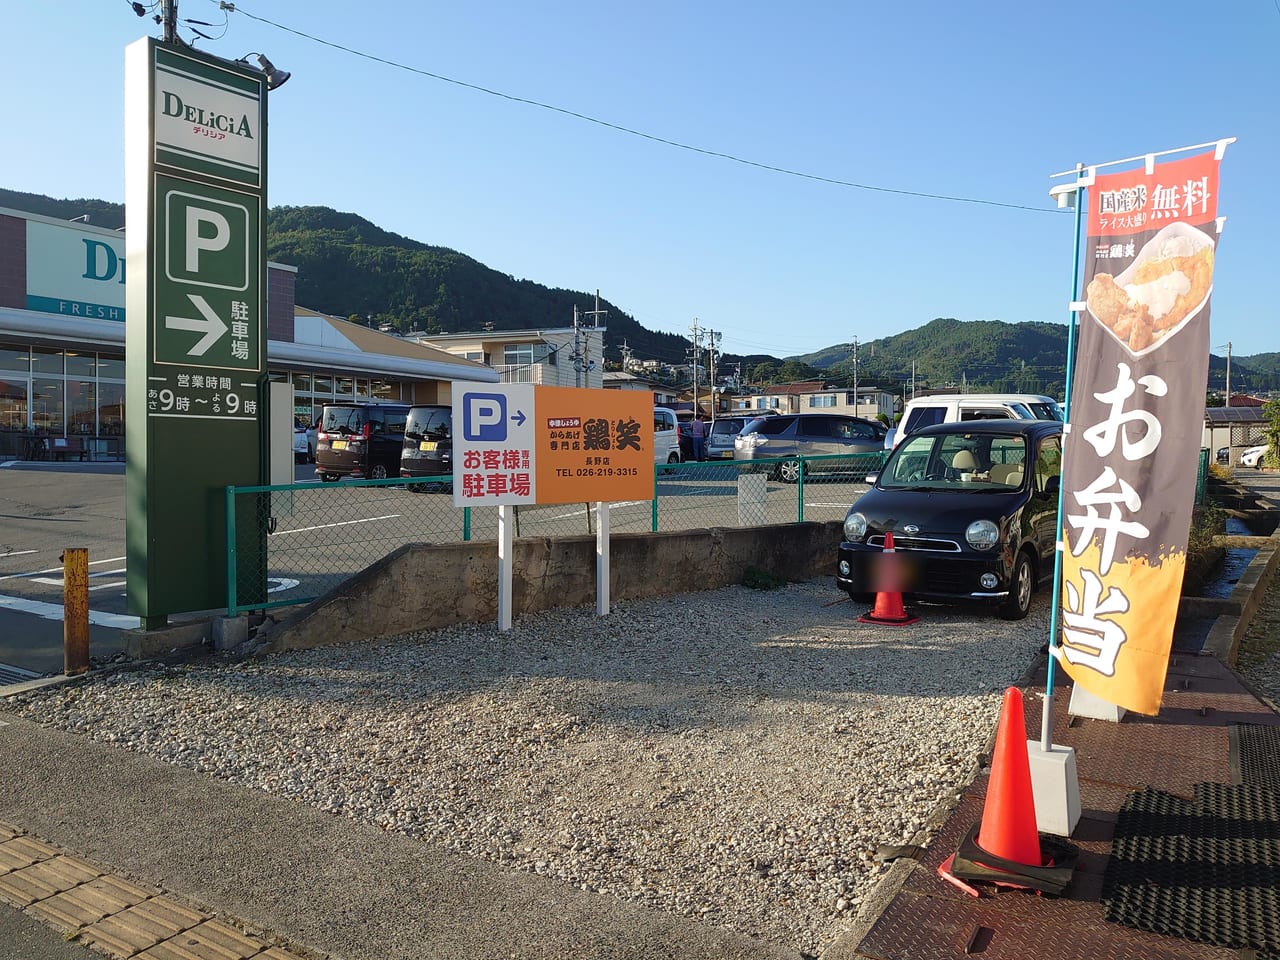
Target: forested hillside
[[350, 267]]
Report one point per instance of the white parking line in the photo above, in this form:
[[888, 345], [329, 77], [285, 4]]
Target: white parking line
[[37, 573], [53, 611], [343, 523], [18, 553], [59, 581]]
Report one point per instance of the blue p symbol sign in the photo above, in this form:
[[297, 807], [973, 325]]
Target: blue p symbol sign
[[484, 417]]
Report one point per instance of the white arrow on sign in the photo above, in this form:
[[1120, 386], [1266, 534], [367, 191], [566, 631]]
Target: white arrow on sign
[[211, 326]]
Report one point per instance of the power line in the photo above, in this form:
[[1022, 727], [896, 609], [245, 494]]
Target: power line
[[640, 133]]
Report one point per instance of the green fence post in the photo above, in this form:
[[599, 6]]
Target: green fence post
[[231, 551], [800, 491], [466, 524], [653, 520]]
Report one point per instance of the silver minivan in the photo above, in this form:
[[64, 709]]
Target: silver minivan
[[720, 436]]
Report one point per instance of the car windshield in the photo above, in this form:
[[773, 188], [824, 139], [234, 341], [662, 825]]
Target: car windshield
[[343, 420], [1047, 411], [962, 462], [432, 423], [770, 426]]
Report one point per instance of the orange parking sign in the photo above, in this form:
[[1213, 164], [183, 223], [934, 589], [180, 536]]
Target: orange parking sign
[[593, 445]]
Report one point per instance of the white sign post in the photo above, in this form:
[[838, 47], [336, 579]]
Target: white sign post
[[514, 443]]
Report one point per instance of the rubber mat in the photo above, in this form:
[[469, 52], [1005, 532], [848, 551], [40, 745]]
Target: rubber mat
[[1255, 755], [1206, 870]]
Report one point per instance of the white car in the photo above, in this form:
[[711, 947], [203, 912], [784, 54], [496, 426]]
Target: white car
[[304, 443], [1252, 456]]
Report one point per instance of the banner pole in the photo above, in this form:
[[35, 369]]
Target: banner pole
[[1046, 714]]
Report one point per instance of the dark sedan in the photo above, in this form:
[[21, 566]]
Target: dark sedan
[[973, 511]]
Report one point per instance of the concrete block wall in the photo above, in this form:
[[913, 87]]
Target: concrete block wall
[[410, 590]]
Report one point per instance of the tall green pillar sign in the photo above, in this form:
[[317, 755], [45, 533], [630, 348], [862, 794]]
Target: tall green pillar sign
[[196, 327]]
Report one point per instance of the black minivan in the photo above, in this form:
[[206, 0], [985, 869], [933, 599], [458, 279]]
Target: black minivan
[[360, 440], [428, 442]]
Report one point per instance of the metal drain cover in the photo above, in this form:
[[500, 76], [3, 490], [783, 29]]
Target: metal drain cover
[[10, 675]]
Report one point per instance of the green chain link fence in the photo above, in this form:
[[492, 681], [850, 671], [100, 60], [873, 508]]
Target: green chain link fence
[[299, 541]]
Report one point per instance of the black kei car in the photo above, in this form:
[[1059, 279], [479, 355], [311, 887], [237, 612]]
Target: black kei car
[[360, 440], [428, 444], [973, 510]]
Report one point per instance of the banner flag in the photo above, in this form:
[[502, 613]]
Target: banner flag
[[1137, 406]]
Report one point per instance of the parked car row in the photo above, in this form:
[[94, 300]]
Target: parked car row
[[805, 435]]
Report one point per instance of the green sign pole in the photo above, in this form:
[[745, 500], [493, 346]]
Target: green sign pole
[[195, 333]]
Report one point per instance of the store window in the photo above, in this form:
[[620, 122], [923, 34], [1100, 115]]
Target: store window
[[322, 386], [384, 390], [111, 409], [46, 361], [111, 368], [82, 365], [47, 406], [82, 407], [13, 404], [302, 382], [346, 387], [16, 360]]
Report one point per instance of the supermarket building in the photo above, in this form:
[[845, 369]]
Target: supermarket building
[[62, 339]]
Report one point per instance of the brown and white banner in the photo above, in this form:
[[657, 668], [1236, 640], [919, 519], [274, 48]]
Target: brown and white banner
[[1137, 409]]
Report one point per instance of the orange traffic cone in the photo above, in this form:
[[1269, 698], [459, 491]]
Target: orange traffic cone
[[889, 608], [1008, 826]]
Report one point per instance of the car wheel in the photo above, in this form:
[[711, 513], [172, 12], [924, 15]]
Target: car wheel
[[329, 477], [789, 471], [378, 472], [1021, 585]]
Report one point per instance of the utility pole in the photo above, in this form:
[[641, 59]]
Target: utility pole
[[697, 350], [595, 316], [855, 375], [1228, 401], [713, 342], [577, 349], [169, 16]]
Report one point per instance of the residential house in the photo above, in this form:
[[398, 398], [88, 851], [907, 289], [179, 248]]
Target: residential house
[[564, 357]]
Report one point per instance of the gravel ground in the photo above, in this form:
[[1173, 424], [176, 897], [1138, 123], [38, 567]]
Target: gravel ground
[[734, 756]]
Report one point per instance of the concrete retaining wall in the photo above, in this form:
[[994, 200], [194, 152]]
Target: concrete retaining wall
[[426, 586]]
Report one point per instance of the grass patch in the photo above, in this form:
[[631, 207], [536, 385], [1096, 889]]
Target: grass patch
[[759, 579]]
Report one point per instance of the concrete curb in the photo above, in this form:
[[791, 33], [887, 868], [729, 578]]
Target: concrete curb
[[1223, 642]]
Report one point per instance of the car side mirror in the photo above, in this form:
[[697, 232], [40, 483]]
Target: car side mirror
[[1051, 486]]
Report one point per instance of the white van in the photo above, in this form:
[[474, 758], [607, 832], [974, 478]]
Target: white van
[[954, 407], [666, 439]]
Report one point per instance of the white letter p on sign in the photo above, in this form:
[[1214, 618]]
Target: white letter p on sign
[[196, 242]]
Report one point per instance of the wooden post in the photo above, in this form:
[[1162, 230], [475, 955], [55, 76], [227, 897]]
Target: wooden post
[[75, 610]]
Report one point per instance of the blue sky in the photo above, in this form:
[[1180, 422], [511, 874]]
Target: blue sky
[[978, 100]]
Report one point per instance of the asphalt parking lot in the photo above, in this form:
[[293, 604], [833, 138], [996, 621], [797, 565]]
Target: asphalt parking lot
[[322, 534]]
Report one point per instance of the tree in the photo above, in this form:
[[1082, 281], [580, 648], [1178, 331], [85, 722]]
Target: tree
[[1272, 409], [763, 373], [793, 371]]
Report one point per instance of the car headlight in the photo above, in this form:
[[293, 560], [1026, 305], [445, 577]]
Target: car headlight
[[981, 534], [855, 527]]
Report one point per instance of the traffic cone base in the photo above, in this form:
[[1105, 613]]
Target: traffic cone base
[[1005, 848], [888, 608], [1009, 814]]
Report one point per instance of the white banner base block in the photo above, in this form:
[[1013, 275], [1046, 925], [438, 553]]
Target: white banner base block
[[1085, 704], [1055, 787]]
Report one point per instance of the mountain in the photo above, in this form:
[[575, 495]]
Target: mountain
[[350, 267], [1000, 357]]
